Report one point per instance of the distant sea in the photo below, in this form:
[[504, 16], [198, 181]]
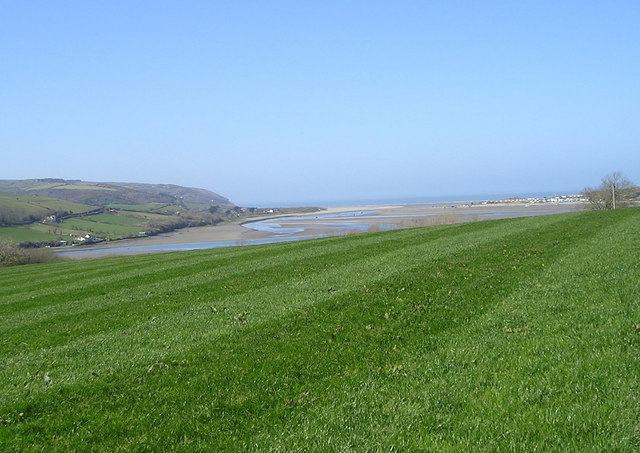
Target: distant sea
[[405, 200]]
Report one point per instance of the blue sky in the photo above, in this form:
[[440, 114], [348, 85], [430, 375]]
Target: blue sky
[[299, 101]]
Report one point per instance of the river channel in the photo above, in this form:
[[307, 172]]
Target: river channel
[[319, 225]]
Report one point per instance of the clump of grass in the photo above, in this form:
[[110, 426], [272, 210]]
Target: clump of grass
[[11, 254]]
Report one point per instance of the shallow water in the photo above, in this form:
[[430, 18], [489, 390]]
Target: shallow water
[[299, 224], [297, 228], [186, 246]]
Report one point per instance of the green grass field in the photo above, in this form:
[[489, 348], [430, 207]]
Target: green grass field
[[117, 225], [113, 225], [107, 225], [137, 207], [21, 234], [510, 335], [28, 205], [71, 185], [117, 218], [101, 228]]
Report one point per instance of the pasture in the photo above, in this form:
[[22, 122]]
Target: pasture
[[506, 335]]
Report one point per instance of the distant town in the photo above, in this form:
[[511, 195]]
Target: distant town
[[577, 198]]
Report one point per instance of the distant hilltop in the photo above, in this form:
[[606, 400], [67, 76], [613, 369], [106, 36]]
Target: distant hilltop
[[107, 193], [57, 212]]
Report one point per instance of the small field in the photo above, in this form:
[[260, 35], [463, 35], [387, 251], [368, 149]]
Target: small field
[[107, 225], [21, 208], [138, 207], [507, 335], [114, 225], [22, 234]]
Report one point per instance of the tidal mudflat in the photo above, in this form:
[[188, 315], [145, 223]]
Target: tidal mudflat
[[329, 222]]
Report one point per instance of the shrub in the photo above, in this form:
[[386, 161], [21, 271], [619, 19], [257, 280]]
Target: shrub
[[11, 254]]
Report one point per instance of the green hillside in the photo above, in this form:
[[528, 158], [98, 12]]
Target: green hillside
[[26, 219], [106, 193], [509, 335], [114, 210], [16, 209]]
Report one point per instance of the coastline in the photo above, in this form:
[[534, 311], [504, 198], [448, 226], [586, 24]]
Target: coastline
[[378, 217]]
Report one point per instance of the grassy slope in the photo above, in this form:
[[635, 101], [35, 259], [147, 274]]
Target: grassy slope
[[15, 210], [20, 208], [115, 225], [102, 193], [39, 206], [137, 207], [106, 226], [505, 335], [21, 234]]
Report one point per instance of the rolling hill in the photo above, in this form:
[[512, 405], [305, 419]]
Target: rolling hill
[[51, 212], [105, 193], [21, 209]]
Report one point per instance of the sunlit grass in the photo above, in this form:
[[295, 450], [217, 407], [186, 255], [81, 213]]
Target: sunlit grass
[[516, 335], [20, 234]]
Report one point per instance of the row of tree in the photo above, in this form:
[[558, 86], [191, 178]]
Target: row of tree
[[615, 191], [16, 216]]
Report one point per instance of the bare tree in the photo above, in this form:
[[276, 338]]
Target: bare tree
[[615, 191]]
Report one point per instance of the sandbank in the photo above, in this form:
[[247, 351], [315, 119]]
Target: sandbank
[[400, 216]]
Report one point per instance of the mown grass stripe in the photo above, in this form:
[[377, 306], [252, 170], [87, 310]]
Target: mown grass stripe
[[184, 327], [548, 354], [420, 345], [134, 267], [173, 271], [446, 307]]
